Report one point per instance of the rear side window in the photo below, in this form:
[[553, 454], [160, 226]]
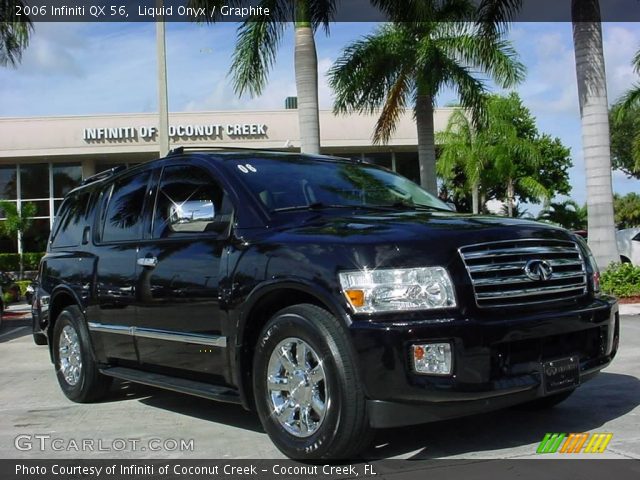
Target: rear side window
[[123, 214], [71, 221]]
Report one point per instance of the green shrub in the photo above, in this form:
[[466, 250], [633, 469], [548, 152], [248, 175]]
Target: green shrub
[[32, 260], [10, 262], [22, 285], [621, 280], [7, 298]]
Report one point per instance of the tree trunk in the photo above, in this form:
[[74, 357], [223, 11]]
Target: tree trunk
[[592, 92], [475, 198], [510, 197], [426, 143], [20, 258], [306, 70]]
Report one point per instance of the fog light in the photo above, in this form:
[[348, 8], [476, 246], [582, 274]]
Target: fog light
[[432, 358]]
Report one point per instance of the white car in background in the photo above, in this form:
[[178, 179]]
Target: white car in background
[[629, 245]]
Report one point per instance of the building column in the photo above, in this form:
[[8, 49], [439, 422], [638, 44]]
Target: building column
[[88, 167]]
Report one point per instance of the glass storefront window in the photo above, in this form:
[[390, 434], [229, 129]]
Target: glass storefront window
[[42, 207], [65, 178], [35, 239], [34, 180], [8, 182], [382, 159], [407, 165]]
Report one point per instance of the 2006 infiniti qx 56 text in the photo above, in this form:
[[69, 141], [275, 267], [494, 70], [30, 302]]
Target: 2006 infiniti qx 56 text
[[331, 296]]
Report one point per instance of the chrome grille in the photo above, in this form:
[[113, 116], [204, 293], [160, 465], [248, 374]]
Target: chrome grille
[[497, 272]]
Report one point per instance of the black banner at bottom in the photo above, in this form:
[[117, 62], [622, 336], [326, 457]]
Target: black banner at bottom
[[520, 469]]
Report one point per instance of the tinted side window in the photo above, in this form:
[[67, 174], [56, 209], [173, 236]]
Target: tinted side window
[[71, 221], [637, 237], [189, 201], [123, 219]]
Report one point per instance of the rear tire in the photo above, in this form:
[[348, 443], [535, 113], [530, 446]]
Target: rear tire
[[329, 420], [76, 369], [547, 402]]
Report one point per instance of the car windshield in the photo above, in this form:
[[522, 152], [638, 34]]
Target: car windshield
[[294, 183]]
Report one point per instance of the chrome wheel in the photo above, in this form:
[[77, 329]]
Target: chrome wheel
[[69, 354], [297, 387]]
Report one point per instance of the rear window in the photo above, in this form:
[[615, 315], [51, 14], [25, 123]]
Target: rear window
[[71, 221], [123, 215]]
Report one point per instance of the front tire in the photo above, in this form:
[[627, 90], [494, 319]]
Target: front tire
[[306, 385], [77, 371]]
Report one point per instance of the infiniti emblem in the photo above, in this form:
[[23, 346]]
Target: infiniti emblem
[[538, 270]]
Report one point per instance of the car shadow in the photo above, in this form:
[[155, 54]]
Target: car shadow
[[14, 328], [196, 407], [605, 398]]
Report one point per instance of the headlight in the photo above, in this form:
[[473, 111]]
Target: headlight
[[388, 290]]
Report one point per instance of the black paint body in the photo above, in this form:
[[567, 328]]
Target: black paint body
[[223, 284]]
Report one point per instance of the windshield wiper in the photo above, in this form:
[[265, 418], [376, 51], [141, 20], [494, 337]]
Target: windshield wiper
[[384, 208], [311, 206]]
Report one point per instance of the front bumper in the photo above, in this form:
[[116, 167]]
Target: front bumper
[[497, 362]]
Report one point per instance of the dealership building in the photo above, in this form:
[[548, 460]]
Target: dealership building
[[42, 158]]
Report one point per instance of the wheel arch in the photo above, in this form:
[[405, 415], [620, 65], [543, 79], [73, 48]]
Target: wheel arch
[[261, 305], [60, 299]]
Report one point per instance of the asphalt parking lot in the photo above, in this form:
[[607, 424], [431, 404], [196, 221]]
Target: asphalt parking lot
[[142, 422]]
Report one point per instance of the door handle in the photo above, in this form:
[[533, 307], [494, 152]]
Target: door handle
[[149, 262]]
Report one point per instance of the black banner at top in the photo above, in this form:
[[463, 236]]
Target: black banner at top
[[320, 11]]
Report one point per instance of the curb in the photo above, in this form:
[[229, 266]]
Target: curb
[[629, 308]]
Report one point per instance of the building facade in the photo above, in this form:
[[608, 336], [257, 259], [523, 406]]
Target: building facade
[[41, 159]]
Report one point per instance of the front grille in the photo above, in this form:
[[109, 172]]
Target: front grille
[[516, 358], [497, 272]]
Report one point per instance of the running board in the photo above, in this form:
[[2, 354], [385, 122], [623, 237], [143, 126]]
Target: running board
[[175, 384]]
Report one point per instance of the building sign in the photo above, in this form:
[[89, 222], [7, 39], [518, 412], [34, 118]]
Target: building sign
[[192, 132]]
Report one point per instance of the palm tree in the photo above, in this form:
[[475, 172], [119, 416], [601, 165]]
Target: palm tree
[[463, 151], [632, 97], [493, 155], [16, 223], [592, 93], [567, 214], [407, 64], [14, 35], [257, 46]]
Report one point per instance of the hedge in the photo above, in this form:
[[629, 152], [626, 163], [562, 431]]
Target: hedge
[[10, 262], [621, 280]]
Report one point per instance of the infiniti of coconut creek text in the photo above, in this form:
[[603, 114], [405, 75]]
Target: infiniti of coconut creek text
[[246, 471], [56, 10]]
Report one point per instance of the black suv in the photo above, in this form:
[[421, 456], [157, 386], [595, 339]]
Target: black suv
[[333, 297]]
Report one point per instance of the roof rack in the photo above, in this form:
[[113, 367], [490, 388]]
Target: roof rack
[[182, 149], [102, 175]]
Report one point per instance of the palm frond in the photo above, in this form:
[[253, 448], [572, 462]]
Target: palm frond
[[471, 90], [394, 106], [493, 16], [367, 70], [533, 187], [496, 57], [630, 99], [14, 35], [255, 53]]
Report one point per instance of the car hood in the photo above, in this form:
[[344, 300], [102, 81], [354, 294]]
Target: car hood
[[412, 226]]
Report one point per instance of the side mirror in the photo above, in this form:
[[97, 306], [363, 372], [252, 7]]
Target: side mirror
[[191, 216]]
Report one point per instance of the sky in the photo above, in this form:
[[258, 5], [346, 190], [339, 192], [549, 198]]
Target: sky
[[101, 68]]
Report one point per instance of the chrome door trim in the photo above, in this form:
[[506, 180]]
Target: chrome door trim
[[136, 332]]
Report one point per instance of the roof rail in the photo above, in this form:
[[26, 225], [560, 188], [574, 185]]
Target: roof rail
[[182, 149], [102, 175]]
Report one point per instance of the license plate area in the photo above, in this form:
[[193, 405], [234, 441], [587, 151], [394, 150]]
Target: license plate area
[[561, 374]]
